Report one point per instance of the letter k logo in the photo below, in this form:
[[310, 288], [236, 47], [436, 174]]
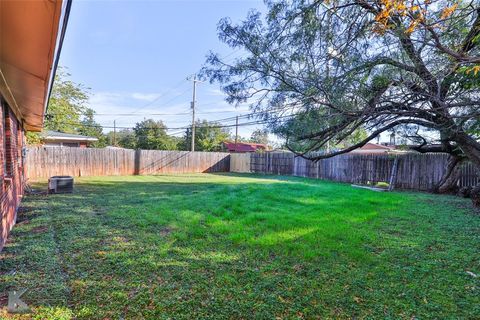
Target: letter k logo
[[15, 305]]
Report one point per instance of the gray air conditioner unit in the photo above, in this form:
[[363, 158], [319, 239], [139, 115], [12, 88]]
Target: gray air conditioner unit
[[60, 184]]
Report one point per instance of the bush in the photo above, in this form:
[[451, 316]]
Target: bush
[[382, 184], [464, 192], [475, 195]]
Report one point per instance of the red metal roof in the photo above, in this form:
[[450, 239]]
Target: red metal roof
[[244, 146]]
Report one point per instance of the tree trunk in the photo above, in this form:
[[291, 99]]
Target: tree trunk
[[475, 195], [448, 183], [470, 147]]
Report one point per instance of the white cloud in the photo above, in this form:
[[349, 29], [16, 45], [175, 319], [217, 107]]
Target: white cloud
[[128, 108], [216, 92], [109, 97], [145, 96], [101, 98]]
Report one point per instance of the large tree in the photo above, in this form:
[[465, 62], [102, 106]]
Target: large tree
[[68, 110], [151, 134], [89, 127], [208, 136], [259, 136], [124, 138], [67, 105], [332, 67]]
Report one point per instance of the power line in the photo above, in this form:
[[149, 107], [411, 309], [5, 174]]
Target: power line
[[161, 96], [212, 123], [159, 114], [175, 128], [137, 114], [156, 114]]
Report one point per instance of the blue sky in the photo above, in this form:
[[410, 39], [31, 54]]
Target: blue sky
[[136, 55]]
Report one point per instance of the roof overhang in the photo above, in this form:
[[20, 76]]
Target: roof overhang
[[89, 139], [29, 43]]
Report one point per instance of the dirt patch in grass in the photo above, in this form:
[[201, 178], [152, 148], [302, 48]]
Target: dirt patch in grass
[[24, 210], [23, 221], [39, 229], [165, 231]]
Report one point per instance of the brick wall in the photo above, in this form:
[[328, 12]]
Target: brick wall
[[11, 169]]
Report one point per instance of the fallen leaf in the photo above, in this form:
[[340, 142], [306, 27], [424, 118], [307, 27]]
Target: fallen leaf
[[471, 274]]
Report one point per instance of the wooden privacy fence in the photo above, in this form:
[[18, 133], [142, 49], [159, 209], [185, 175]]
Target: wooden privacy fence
[[240, 162], [414, 171], [44, 162]]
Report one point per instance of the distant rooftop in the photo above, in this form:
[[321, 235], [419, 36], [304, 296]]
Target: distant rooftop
[[57, 135], [371, 147], [244, 146]]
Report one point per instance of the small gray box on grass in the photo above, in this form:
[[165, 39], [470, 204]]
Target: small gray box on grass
[[60, 184]]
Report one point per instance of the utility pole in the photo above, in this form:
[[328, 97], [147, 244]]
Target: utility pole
[[193, 110], [114, 133], [236, 132]]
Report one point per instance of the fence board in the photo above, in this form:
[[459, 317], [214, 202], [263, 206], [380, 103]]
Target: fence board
[[240, 162], [44, 162], [414, 171]]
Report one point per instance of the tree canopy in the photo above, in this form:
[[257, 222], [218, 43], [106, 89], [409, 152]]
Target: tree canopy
[[67, 105], [124, 138], [68, 111], [318, 71], [151, 134], [89, 127], [208, 136], [260, 136]]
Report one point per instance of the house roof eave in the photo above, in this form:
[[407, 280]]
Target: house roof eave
[[29, 54]]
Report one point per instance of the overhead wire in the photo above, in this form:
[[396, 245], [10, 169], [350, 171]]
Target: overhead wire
[[160, 114], [178, 84], [212, 123], [208, 125]]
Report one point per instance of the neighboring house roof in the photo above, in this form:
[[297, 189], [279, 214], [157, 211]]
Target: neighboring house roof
[[61, 136], [244, 146], [373, 148], [31, 34], [371, 145]]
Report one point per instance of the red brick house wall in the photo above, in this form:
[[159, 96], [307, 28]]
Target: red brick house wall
[[11, 169], [31, 42]]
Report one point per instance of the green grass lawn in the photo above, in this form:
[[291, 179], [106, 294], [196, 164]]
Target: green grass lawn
[[210, 246]]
